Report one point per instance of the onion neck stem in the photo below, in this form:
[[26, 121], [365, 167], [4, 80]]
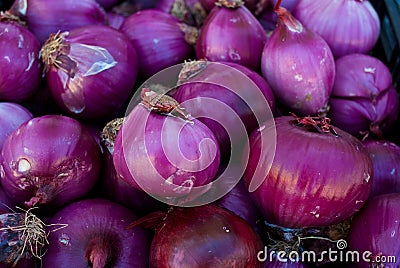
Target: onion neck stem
[[229, 3], [277, 5], [98, 253]]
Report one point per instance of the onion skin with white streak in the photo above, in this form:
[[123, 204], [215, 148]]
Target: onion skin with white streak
[[316, 179], [357, 31]]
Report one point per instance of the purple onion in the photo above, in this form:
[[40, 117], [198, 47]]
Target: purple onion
[[375, 232], [166, 156], [363, 100], [19, 60], [92, 72], [96, 236], [320, 175], [226, 87], [385, 156], [116, 189], [12, 115], [160, 40], [231, 33], [47, 17], [357, 32], [49, 161], [298, 65]]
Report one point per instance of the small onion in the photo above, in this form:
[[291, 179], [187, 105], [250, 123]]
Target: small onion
[[46, 17], [375, 232], [90, 71], [298, 65], [385, 157], [357, 32], [49, 160], [160, 40], [164, 155], [19, 60], [231, 33], [203, 236], [363, 99], [12, 115], [96, 236], [300, 190]]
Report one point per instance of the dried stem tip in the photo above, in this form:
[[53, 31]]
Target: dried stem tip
[[319, 123], [229, 3]]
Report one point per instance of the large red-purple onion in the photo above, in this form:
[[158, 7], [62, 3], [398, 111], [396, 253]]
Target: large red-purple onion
[[46, 17], [172, 158], [363, 99], [90, 71], [12, 115], [19, 60], [320, 175], [299, 66], [203, 236], [375, 232], [96, 236], [385, 156], [225, 96], [357, 32], [160, 40], [49, 161], [231, 33]]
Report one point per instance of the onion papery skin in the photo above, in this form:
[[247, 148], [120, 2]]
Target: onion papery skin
[[194, 96], [204, 236], [376, 229], [98, 225], [103, 77], [363, 99], [158, 40], [12, 115], [358, 33], [232, 35], [316, 179], [49, 161], [299, 66], [145, 159], [46, 17], [385, 156], [19, 65], [117, 190]]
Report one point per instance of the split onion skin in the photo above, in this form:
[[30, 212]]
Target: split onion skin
[[49, 161], [376, 229], [103, 77], [20, 66], [96, 231], [316, 179], [204, 236]]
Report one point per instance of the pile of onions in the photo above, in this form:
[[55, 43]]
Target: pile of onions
[[49, 161], [12, 115], [164, 151], [357, 32], [204, 236], [363, 101], [320, 175], [160, 40], [231, 33], [19, 65], [90, 71], [298, 65], [46, 17], [375, 232], [385, 156], [229, 98], [96, 236]]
